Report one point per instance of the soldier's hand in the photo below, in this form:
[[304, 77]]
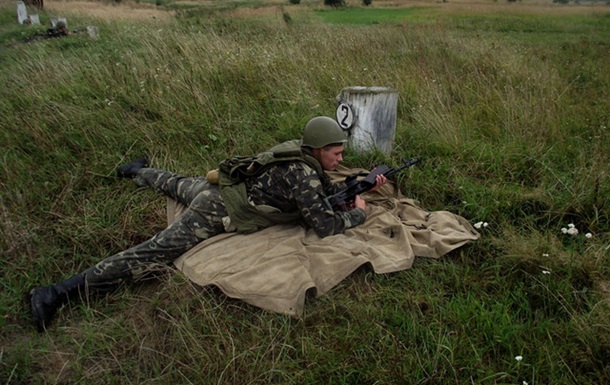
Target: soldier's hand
[[359, 202], [380, 180]]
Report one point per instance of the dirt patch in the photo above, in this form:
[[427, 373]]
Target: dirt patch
[[201, 3], [255, 12], [108, 11]]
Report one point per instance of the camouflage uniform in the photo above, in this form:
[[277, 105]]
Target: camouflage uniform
[[201, 220], [295, 186], [286, 186]]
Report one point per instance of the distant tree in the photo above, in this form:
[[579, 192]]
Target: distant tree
[[367, 2], [295, 1], [335, 3]]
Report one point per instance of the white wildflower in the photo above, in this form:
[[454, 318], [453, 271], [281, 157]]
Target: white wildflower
[[519, 358], [478, 225], [589, 235], [524, 383], [546, 272], [564, 230], [545, 255], [573, 231], [485, 224], [571, 226]]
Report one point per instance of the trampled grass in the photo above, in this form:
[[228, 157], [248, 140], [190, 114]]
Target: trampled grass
[[507, 104]]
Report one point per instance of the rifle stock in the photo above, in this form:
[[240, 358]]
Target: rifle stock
[[344, 198]]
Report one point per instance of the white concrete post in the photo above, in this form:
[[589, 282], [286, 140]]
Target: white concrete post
[[22, 12], [369, 113]]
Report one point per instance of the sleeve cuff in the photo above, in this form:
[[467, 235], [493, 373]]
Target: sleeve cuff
[[354, 218]]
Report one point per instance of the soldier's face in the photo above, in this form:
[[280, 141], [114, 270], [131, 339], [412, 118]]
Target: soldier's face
[[329, 156]]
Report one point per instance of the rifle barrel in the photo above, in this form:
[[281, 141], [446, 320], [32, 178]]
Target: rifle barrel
[[407, 164]]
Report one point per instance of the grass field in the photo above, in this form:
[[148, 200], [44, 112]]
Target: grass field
[[507, 103]]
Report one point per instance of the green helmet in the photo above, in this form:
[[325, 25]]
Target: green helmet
[[322, 131]]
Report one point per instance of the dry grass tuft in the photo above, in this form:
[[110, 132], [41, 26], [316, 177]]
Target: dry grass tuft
[[109, 11]]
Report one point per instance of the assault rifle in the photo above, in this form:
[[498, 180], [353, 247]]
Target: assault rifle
[[345, 198]]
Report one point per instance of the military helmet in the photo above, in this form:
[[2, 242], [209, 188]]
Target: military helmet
[[322, 131]]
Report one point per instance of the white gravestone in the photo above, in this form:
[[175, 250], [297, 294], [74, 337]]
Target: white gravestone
[[22, 12]]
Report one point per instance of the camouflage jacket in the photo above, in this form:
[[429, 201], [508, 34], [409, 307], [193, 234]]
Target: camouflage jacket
[[296, 187], [289, 190]]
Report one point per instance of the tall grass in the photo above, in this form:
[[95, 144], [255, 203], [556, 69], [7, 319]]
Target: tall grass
[[512, 124]]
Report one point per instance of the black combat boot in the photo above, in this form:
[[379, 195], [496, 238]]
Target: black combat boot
[[45, 300], [130, 170]]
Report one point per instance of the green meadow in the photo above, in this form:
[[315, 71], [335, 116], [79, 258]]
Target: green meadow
[[508, 105], [366, 16]]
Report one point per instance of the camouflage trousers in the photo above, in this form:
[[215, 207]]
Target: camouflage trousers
[[201, 220]]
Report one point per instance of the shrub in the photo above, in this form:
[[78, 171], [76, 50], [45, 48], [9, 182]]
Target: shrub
[[295, 1], [367, 2], [334, 3]]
